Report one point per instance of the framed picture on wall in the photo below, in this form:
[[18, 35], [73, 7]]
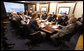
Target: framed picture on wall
[[63, 10]]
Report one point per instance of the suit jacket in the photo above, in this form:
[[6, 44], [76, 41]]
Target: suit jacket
[[39, 15], [43, 16], [65, 19], [54, 18], [60, 21], [50, 18], [17, 19], [80, 19], [67, 30], [33, 26]]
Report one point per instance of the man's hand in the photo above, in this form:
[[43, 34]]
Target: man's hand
[[54, 36], [57, 29]]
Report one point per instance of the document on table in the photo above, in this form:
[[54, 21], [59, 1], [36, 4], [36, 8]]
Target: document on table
[[54, 26]]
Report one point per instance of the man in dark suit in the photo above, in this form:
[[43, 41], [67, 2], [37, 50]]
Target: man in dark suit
[[59, 20], [65, 30], [43, 16], [53, 13], [54, 18], [80, 19], [38, 15], [50, 18], [65, 19]]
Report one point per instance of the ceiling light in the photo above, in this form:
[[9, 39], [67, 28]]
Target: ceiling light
[[22, 1]]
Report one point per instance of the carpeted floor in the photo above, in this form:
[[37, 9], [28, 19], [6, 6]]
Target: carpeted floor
[[20, 43]]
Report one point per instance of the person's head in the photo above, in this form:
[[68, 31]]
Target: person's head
[[45, 13], [11, 12], [58, 16], [72, 15], [26, 10], [82, 16], [15, 13], [30, 11], [72, 20], [21, 12], [55, 16], [34, 16], [53, 13], [64, 14], [50, 15]]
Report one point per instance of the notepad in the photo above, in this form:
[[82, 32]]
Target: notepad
[[55, 26], [42, 25]]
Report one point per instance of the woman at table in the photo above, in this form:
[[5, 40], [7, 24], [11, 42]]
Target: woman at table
[[34, 25]]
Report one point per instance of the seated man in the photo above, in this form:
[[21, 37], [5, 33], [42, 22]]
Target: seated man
[[53, 13], [59, 20], [50, 17], [43, 16], [54, 18], [38, 15], [80, 19], [65, 19], [66, 30]]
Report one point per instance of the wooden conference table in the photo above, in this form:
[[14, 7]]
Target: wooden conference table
[[47, 26]]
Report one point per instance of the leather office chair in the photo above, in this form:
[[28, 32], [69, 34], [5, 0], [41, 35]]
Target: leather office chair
[[16, 25], [69, 36], [34, 38], [4, 44]]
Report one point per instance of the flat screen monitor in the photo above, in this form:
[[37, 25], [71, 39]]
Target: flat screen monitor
[[14, 6], [43, 9], [63, 10]]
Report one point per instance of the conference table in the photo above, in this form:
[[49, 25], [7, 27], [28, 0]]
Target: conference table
[[48, 26]]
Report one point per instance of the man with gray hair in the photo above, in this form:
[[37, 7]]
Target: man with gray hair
[[70, 28]]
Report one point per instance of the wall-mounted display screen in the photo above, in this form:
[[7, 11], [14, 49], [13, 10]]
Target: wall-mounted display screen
[[14, 6], [43, 9], [64, 10]]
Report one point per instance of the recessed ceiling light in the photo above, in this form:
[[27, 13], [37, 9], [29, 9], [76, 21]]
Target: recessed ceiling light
[[22, 1]]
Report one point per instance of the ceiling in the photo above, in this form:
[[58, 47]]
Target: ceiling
[[34, 2]]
